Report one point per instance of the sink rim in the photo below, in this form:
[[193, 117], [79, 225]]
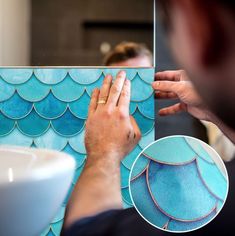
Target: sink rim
[[56, 164]]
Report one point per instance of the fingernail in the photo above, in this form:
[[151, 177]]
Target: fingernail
[[108, 77], [156, 84], [127, 82], [122, 73]]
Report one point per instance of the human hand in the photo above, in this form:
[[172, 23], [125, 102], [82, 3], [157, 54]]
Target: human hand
[[111, 133], [176, 85]]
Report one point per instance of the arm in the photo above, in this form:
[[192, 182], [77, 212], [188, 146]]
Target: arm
[[110, 135], [176, 85]]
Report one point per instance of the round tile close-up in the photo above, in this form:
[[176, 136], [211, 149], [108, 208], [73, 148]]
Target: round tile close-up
[[178, 184]]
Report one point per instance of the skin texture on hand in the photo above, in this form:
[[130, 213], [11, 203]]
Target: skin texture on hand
[[110, 130], [176, 85], [111, 133]]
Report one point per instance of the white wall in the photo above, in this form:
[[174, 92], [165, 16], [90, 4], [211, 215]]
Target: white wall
[[14, 32]]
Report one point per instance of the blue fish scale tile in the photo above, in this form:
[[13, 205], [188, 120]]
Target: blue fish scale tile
[[180, 189], [33, 90], [48, 107]]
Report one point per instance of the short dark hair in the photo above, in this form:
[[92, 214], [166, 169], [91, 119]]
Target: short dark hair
[[125, 51]]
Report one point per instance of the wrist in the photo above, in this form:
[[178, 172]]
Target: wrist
[[104, 160]]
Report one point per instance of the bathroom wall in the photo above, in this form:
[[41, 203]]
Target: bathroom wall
[[14, 32], [71, 32]]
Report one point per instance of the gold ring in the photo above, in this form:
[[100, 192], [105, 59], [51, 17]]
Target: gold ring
[[101, 101]]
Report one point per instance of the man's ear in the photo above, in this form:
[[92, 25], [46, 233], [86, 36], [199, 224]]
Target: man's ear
[[204, 30]]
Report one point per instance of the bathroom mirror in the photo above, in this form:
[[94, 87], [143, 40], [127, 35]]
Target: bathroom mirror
[[70, 32]]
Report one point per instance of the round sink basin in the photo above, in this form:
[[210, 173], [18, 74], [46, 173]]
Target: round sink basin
[[33, 185]]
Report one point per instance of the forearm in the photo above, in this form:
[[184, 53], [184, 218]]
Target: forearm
[[97, 190]]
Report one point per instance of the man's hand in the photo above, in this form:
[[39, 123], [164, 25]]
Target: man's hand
[[110, 131], [110, 134], [176, 85]]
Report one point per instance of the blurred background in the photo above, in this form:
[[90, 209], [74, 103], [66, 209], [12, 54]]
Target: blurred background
[[70, 32]]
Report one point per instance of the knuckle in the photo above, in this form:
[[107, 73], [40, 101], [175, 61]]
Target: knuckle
[[107, 112], [125, 93], [115, 89], [122, 113]]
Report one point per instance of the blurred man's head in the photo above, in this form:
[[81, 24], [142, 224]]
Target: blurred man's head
[[202, 37], [129, 54]]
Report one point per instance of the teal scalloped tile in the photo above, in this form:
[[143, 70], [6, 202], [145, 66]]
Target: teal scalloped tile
[[84, 76], [67, 90], [199, 150], [77, 142], [144, 202], [33, 125], [140, 90], [50, 76], [146, 107], [131, 157], [213, 178], [140, 165], [33, 90], [6, 90], [50, 107], [96, 84], [7, 125], [51, 140], [146, 75], [125, 173], [16, 107], [56, 227], [125, 204], [15, 76], [126, 196], [147, 138], [165, 154], [80, 107], [175, 189], [143, 122], [68, 124], [16, 138], [175, 225], [47, 108]]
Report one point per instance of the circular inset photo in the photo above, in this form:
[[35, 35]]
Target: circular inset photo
[[178, 184]]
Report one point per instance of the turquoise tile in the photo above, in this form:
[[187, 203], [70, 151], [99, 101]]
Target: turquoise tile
[[7, 125], [33, 125], [50, 76], [50, 107], [67, 90], [176, 196], [47, 108], [15, 76], [6, 90], [16, 107], [33, 90], [68, 124]]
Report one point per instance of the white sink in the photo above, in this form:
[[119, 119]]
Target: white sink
[[33, 185]]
